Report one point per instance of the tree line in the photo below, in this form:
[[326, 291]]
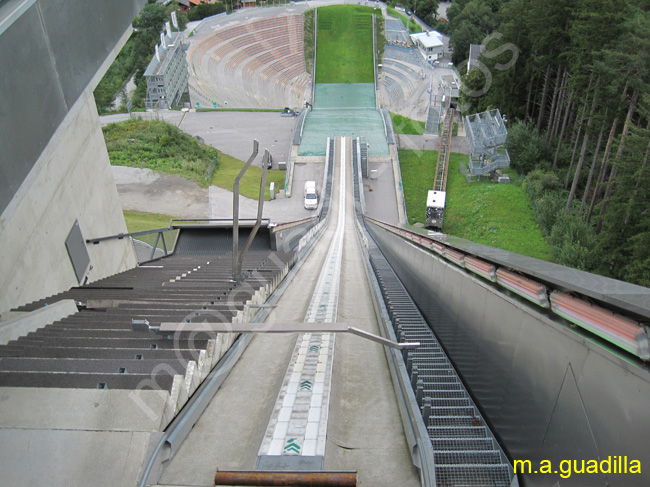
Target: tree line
[[578, 105], [133, 59]]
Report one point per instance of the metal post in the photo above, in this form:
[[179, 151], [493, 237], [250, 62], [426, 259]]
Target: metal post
[[260, 207], [235, 208], [155, 245]]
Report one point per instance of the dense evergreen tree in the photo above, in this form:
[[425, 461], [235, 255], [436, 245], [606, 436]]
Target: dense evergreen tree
[[577, 99]]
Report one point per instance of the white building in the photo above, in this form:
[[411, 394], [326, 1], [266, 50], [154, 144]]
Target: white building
[[430, 43], [167, 73]]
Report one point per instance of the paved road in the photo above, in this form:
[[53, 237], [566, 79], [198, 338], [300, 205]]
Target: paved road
[[230, 132], [233, 134]]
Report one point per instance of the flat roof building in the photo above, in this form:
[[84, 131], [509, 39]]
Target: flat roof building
[[430, 43], [167, 73]]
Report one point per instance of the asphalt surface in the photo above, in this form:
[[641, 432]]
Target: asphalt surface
[[232, 133]]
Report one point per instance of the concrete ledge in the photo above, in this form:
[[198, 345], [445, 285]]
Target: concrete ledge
[[20, 324], [380, 159], [309, 159], [61, 458], [81, 409]]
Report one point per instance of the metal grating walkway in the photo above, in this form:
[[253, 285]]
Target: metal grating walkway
[[465, 451]]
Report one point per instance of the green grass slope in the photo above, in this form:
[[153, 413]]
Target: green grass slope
[[405, 125], [138, 221], [344, 46], [162, 147], [159, 146], [498, 215]]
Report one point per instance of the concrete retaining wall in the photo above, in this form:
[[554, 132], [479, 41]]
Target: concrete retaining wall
[[54, 167], [548, 391]]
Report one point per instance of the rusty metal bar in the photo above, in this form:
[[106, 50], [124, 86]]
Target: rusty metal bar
[[288, 479]]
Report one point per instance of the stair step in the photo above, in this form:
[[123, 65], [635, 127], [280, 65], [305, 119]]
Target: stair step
[[473, 475], [457, 432], [468, 457], [462, 444], [455, 421]]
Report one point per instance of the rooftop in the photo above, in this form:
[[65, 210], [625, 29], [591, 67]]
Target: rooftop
[[156, 66], [428, 39]]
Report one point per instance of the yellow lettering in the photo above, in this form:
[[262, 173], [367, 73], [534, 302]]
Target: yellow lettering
[[526, 466], [592, 466], [545, 466], [575, 466], [606, 465], [635, 466], [565, 468]]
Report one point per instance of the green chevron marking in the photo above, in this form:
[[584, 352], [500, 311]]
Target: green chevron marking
[[291, 446]]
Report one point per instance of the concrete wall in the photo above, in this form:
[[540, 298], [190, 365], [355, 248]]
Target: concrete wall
[[72, 180], [54, 167], [548, 391]]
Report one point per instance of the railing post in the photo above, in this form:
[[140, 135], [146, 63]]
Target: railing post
[[260, 206], [235, 210]]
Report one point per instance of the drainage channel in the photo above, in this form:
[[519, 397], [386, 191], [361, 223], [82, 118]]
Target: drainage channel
[[296, 433]]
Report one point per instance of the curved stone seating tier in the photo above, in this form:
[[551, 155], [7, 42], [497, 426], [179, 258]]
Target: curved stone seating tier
[[406, 54], [395, 92], [254, 64], [403, 79], [413, 73]]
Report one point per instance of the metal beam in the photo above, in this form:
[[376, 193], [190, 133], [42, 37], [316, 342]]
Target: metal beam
[[279, 327], [260, 207], [235, 210]]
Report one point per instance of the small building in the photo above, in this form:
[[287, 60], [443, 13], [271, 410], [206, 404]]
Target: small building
[[168, 73], [430, 43]]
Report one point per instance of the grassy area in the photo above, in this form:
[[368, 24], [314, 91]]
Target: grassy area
[[137, 221], [163, 147], [413, 26], [418, 171], [344, 48], [159, 146], [405, 125], [308, 40], [249, 186], [498, 215]]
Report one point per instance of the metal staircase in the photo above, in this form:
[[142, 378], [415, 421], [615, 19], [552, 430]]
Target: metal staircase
[[465, 450]]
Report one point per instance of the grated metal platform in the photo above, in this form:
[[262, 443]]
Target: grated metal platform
[[465, 450]]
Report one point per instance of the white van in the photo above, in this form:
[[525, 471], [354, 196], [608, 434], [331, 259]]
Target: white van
[[311, 195]]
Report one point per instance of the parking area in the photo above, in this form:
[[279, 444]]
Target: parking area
[[232, 133]]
